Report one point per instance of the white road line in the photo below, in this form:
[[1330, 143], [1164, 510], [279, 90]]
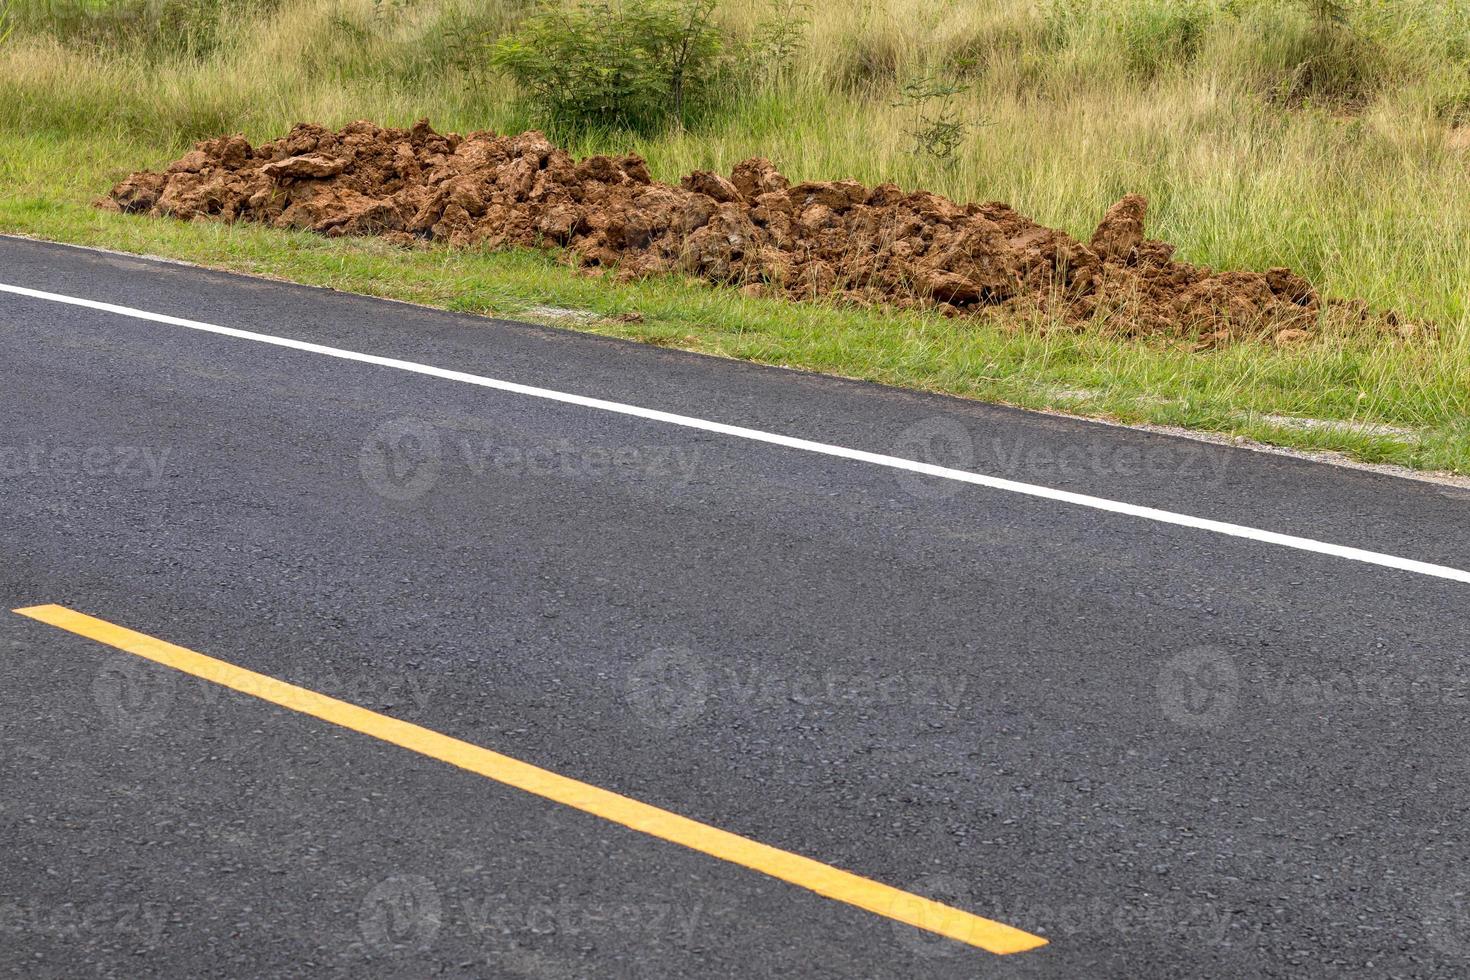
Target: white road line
[[790, 442]]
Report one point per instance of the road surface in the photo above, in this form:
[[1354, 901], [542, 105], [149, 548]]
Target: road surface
[[1176, 709]]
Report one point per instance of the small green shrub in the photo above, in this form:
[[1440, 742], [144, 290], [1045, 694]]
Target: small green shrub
[[779, 38], [608, 64], [938, 129]]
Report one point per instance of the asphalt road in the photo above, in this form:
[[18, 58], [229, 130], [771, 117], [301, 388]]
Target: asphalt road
[[1168, 751]]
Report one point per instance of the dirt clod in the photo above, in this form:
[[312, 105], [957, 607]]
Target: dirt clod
[[818, 239]]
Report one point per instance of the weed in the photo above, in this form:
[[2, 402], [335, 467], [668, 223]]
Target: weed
[[938, 128], [781, 36]]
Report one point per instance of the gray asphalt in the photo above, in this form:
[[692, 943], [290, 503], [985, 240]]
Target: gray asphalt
[[1170, 752]]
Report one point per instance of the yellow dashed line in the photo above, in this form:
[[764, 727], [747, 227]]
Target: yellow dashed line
[[834, 883]]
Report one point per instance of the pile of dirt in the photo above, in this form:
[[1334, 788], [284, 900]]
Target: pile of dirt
[[753, 228]]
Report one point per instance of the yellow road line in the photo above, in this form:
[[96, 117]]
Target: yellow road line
[[823, 879]]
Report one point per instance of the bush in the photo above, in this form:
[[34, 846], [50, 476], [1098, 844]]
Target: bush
[[605, 64]]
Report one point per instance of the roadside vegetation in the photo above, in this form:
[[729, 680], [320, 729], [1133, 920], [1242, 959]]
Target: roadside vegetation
[[1332, 137]]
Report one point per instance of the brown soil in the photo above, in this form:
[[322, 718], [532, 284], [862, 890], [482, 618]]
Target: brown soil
[[753, 228]]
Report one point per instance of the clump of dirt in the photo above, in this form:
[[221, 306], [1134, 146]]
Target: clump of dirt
[[753, 228]]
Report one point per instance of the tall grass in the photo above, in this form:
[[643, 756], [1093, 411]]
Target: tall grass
[[1199, 104], [1259, 137]]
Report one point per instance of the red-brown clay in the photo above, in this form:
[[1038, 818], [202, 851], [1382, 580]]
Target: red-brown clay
[[835, 239]]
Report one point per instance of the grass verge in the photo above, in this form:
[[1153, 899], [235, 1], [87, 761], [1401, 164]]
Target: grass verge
[[1248, 389], [1255, 144]]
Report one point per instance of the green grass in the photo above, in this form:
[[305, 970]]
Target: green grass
[[1352, 176]]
